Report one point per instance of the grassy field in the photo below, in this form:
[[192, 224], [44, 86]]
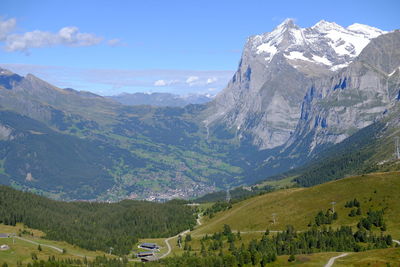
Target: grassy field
[[378, 257], [298, 206], [21, 250]]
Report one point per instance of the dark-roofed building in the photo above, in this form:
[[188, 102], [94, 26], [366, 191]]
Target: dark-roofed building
[[145, 254], [3, 235], [151, 246]]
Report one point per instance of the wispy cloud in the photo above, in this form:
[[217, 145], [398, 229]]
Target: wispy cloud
[[115, 81], [6, 27], [165, 82], [67, 36], [116, 42], [192, 80], [211, 80]]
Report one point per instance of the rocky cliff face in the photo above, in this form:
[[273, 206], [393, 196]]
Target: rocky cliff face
[[263, 99], [355, 97]]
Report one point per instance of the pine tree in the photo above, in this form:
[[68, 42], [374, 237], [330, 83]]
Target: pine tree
[[358, 212], [227, 230], [203, 250], [291, 258]]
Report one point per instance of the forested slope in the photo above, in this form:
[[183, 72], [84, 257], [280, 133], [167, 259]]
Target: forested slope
[[95, 226]]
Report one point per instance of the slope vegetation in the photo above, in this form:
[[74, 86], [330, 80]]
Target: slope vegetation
[[299, 206]]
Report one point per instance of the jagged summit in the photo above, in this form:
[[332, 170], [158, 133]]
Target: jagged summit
[[324, 25]]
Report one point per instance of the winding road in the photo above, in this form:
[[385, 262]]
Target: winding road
[[169, 245], [36, 243], [332, 260], [198, 220]]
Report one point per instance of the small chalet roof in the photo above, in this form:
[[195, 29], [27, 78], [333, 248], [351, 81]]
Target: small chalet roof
[[147, 253], [4, 235], [151, 245]]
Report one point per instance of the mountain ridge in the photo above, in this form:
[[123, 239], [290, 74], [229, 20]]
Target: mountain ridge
[[160, 99]]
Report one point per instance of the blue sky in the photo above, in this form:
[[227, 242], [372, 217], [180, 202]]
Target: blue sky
[[110, 47]]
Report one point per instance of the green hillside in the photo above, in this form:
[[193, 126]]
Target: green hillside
[[299, 206]]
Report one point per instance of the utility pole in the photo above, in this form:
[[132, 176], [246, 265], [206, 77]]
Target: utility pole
[[397, 147], [333, 206], [273, 217], [228, 196]]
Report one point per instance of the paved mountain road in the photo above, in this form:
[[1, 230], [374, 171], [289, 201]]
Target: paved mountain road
[[332, 260]]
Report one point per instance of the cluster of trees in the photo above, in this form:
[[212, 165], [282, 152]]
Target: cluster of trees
[[217, 207], [325, 218], [374, 218], [266, 250], [354, 203], [95, 226]]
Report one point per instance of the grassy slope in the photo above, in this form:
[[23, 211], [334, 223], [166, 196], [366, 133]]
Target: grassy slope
[[297, 206], [21, 250]]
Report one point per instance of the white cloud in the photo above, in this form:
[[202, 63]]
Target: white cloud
[[69, 36], [191, 80], [115, 42], [160, 83], [165, 83], [211, 80], [6, 27]]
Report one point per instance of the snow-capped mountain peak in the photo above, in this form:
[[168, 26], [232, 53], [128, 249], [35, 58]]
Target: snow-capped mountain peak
[[366, 30], [326, 43]]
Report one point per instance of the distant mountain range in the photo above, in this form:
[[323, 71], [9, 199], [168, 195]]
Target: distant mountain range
[[160, 99], [300, 99]]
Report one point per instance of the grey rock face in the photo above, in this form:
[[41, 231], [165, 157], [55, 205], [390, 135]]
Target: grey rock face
[[264, 97], [337, 106]]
